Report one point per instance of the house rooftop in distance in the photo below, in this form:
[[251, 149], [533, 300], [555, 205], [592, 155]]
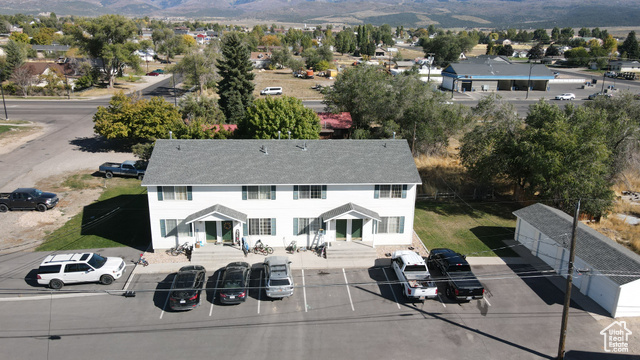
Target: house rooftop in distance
[[277, 162]]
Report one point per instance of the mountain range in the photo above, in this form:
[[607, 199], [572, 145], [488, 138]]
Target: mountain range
[[522, 14]]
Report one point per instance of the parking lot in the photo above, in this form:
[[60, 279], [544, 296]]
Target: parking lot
[[337, 313]]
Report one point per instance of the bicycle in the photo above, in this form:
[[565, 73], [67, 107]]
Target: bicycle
[[321, 250], [142, 261], [260, 248], [182, 249]]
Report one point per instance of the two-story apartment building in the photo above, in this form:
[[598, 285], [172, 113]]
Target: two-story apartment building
[[281, 190]]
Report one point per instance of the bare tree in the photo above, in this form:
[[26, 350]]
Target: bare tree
[[23, 77]]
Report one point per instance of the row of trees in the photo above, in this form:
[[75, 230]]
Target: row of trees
[[554, 155]]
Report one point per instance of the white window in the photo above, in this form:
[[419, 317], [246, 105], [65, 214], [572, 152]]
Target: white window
[[173, 227], [174, 193], [310, 192], [260, 226], [391, 225], [390, 191], [308, 225], [259, 192]]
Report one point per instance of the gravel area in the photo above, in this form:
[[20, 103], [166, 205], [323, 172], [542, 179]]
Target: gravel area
[[416, 246]]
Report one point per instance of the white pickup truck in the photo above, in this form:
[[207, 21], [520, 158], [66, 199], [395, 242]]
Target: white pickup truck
[[413, 274]]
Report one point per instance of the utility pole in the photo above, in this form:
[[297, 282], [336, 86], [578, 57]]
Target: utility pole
[[567, 296], [529, 82]]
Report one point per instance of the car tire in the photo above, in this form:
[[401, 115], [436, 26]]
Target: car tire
[[108, 174], [4, 208], [448, 292], [56, 284], [41, 207], [140, 177], [106, 279]]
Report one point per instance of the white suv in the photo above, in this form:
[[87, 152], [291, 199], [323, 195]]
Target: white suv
[[567, 96], [271, 91], [57, 270]]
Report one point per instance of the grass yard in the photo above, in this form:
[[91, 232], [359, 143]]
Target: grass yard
[[6, 128], [474, 232], [120, 217]]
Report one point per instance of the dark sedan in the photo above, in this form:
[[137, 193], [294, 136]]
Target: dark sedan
[[187, 287], [235, 283]]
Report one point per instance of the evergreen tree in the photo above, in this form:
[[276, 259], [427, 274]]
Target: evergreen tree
[[630, 46], [16, 56], [236, 86]]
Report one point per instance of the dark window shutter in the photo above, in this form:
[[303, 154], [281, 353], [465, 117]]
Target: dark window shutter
[[245, 229], [160, 193], [401, 224], [244, 193], [376, 192], [190, 229], [273, 226], [295, 192], [295, 226], [163, 228], [404, 191], [324, 191], [273, 192], [189, 193]]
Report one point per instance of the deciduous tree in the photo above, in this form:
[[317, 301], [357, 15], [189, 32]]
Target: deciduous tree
[[267, 116]]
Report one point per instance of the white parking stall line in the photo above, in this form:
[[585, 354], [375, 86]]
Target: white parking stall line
[[486, 300], [391, 287], [441, 302], [304, 292], [259, 292], [214, 294], [165, 305], [348, 291]]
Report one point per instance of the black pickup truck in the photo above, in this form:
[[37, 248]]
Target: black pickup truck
[[27, 199], [461, 284]]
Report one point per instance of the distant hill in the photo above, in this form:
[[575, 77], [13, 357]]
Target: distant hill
[[410, 13]]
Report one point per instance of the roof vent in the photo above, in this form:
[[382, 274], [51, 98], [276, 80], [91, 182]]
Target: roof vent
[[264, 150]]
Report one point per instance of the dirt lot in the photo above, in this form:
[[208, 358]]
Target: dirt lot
[[291, 86]]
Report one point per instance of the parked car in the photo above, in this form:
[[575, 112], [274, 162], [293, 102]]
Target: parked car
[[163, 61], [611, 74], [27, 199], [271, 91], [598, 94], [235, 283], [461, 284], [159, 71], [128, 168], [566, 96], [277, 277], [413, 275], [186, 288], [153, 73], [60, 269]]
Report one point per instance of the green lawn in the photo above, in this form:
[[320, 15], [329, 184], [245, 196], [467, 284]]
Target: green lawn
[[5, 128], [120, 217], [474, 232]]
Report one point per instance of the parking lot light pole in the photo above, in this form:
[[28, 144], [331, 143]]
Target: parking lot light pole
[[6, 117]]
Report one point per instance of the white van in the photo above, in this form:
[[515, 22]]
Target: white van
[[271, 91]]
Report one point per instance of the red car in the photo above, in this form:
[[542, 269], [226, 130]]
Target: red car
[[153, 73]]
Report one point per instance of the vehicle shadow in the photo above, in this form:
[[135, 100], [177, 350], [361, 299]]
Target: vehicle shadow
[[212, 286], [493, 236], [161, 295], [256, 283], [388, 285], [32, 278]]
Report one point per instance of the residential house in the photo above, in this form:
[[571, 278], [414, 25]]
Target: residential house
[[260, 60], [625, 66], [304, 190], [604, 270], [335, 126]]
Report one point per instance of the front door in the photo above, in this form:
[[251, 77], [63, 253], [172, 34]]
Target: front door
[[227, 231], [356, 229], [211, 230], [341, 229]]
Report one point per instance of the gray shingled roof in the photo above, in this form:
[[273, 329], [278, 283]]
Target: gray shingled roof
[[220, 209], [498, 70], [604, 254], [246, 162], [331, 214]]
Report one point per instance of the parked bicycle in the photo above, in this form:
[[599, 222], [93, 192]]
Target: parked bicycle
[[142, 261], [260, 248], [182, 249], [321, 250]]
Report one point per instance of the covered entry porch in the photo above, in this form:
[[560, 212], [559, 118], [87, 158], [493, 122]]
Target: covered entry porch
[[350, 222], [217, 224]]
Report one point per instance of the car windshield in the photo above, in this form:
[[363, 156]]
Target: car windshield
[[279, 282], [36, 193], [97, 261]]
